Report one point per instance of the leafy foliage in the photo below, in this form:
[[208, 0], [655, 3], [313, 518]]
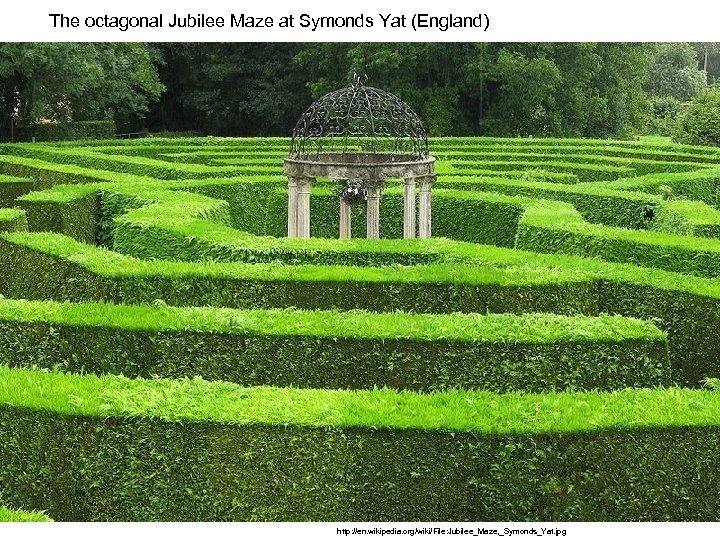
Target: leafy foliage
[[76, 81], [701, 122], [198, 211]]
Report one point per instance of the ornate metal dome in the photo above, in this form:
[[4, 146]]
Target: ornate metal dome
[[360, 118]]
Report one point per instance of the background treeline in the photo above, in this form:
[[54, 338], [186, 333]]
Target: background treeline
[[245, 89]]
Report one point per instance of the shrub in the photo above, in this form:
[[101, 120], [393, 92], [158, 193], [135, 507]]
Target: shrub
[[57, 131], [665, 113], [701, 123]]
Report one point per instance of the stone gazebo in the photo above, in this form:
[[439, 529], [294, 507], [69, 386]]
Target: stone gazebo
[[360, 136]]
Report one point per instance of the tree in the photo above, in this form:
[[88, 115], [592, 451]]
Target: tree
[[430, 77], [708, 55], [237, 89], [674, 72], [76, 81], [525, 89], [558, 89]]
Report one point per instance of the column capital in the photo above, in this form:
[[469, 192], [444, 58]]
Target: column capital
[[302, 180], [426, 180]]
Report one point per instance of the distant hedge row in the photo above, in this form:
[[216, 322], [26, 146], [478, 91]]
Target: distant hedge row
[[475, 217], [84, 157], [57, 131]]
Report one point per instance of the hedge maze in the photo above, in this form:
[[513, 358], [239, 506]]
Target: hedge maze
[[167, 354]]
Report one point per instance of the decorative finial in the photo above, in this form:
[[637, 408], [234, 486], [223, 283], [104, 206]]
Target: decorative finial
[[359, 80]]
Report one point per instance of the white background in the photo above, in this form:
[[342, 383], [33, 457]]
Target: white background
[[608, 20]]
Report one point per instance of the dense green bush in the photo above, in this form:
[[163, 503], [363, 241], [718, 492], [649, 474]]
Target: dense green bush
[[701, 122], [57, 131], [666, 111]]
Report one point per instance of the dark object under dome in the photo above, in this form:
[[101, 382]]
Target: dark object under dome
[[363, 119]]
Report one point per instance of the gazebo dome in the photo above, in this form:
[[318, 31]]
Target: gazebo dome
[[363, 119]]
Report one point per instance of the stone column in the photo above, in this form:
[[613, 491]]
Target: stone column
[[345, 221], [292, 208], [409, 210], [373, 211], [425, 207], [303, 207]]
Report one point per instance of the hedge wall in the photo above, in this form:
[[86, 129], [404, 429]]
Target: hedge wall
[[12, 219], [83, 452], [119, 163], [55, 131], [564, 231], [12, 187], [61, 269], [484, 218], [74, 212], [504, 352], [54, 267]]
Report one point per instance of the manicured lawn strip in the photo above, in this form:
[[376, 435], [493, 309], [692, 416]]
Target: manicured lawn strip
[[8, 515]]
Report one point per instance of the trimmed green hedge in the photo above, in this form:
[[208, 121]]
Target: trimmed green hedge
[[73, 211], [43, 266], [81, 447], [47, 266], [564, 231], [12, 187], [118, 163], [320, 349], [8, 515], [12, 219], [54, 131]]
